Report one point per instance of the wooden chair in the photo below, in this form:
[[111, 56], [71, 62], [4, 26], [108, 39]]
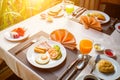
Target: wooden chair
[[112, 7], [89, 4]]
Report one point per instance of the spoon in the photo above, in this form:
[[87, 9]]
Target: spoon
[[25, 46], [78, 67], [70, 66]]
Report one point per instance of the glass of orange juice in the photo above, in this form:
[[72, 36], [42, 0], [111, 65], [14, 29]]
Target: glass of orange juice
[[85, 46]]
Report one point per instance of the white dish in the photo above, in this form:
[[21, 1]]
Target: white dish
[[106, 16], [116, 27], [59, 15], [8, 36], [52, 63], [112, 76], [98, 47]]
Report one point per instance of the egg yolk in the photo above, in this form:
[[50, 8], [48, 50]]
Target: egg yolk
[[44, 57]]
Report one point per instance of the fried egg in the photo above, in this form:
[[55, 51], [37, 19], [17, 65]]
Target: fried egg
[[42, 59]]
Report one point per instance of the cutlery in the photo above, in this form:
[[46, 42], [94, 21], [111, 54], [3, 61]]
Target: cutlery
[[25, 46], [76, 11], [96, 60], [113, 24], [80, 12], [70, 66], [79, 66]]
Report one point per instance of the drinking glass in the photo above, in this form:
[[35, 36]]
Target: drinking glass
[[85, 46], [69, 7]]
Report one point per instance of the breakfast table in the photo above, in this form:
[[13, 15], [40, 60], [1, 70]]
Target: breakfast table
[[38, 27]]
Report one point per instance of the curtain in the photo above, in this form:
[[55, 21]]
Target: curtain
[[89, 4]]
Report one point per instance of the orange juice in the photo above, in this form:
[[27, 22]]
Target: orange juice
[[85, 46]]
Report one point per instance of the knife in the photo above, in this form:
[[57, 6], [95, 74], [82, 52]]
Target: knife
[[96, 61], [77, 11], [79, 66], [25, 46], [80, 12], [68, 68], [113, 24]]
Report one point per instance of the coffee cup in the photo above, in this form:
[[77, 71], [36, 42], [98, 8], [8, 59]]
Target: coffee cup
[[90, 77]]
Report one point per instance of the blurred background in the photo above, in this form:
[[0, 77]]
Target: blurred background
[[14, 11]]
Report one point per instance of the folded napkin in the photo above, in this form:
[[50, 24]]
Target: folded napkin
[[64, 37], [90, 22]]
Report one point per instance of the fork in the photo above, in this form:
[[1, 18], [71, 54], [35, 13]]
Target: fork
[[76, 11], [26, 46], [80, 12], [78, 67], [70, 66]]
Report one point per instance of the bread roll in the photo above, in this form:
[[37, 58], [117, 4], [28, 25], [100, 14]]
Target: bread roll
[[39, 50], [98, 15], [105, 66]]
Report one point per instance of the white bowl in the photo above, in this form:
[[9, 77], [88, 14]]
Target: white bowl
[[109, 53], [117, 27], [98, 47]]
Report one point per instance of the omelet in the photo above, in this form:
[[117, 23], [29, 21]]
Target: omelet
[[98, 15]]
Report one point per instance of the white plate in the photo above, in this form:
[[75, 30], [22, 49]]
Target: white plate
[[52, 63], [8, 37], [116, 27], [106, 16], [113, 76], [59, 15]]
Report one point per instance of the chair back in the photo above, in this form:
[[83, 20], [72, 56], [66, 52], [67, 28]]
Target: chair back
[[89, 4], [112, 7]]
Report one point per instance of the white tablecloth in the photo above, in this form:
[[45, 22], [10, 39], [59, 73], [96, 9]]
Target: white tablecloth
[[35, 24]]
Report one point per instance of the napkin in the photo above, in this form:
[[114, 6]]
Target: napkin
[[90, 22], [64, 37]]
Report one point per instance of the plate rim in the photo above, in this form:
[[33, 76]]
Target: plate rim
[[114, 62], [43, 66], [7, 36], [105, 14]]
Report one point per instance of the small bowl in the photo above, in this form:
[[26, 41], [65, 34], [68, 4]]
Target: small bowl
[[109, 53], [117, 27], [98, 47]]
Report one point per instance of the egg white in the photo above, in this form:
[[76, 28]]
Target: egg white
[[41, 61]]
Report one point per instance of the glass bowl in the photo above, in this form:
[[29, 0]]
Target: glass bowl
[[98, 47]]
